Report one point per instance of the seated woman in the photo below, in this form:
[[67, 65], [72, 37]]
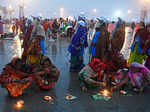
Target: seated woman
[[138, 76], [91, 74], [14, 77], [47, 74], [17, 75]]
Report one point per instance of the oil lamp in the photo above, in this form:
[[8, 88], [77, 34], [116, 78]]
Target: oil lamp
[[105, 93], [19, 104], [48, 98]]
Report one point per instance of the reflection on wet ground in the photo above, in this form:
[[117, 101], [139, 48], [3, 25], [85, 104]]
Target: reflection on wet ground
[[127, 45], [67, 83]]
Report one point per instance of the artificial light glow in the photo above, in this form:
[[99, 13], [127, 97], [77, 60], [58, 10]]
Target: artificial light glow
[[10, 7], [129, 11], [105, 93], [118, 13], [40, 14], [146, 1], [61, 12], [70, 18], [22, 3], [94, 10]]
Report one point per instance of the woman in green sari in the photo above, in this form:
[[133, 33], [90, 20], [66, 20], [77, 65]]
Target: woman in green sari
[[137, 48]]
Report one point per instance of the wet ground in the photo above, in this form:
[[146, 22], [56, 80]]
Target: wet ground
[[67, 83]]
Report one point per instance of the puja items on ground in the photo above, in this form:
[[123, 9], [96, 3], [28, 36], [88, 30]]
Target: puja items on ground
[[102, 95], [48, 98], [70, 97]]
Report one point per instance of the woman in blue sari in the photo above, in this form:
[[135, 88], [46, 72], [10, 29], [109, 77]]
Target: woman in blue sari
[[77, 46], [100, 43], [95, 40]]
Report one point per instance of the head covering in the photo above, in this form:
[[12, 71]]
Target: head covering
[[136, 65], [15, 60], [45, 58], [137, 77], [102, 19], [119, 23], [38, 29], [101, 22], [82, 16], [29, 21], [97, 65], [82, 23], [36, 16]]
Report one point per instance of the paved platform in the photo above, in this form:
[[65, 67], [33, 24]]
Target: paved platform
[[68, 83]]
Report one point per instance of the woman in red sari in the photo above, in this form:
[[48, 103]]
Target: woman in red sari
[[14, 77]]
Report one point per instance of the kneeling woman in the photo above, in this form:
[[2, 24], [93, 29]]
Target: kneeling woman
[[91, 74], [138, 76]]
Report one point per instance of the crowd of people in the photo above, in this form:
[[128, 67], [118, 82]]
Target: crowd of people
[[107, 67], [33, 65], [51, 26]]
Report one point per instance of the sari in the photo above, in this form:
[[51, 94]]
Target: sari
[[76, 48], [136, 54], [140, 77], [15, 80]]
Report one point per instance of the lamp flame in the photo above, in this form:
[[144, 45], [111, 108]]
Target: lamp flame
[[19, 104]]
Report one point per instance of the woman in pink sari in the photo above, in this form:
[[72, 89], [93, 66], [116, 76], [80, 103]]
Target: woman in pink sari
[[138, 75]]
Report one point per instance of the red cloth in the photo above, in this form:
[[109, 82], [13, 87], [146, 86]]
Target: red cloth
[[45, 25], [46, 87], [50, 24], [97, 66]]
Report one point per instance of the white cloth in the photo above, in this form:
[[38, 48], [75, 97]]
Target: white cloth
[[88, 74], [38, 30]]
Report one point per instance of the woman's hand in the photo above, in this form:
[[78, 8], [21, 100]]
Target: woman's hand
[[103, 84]]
